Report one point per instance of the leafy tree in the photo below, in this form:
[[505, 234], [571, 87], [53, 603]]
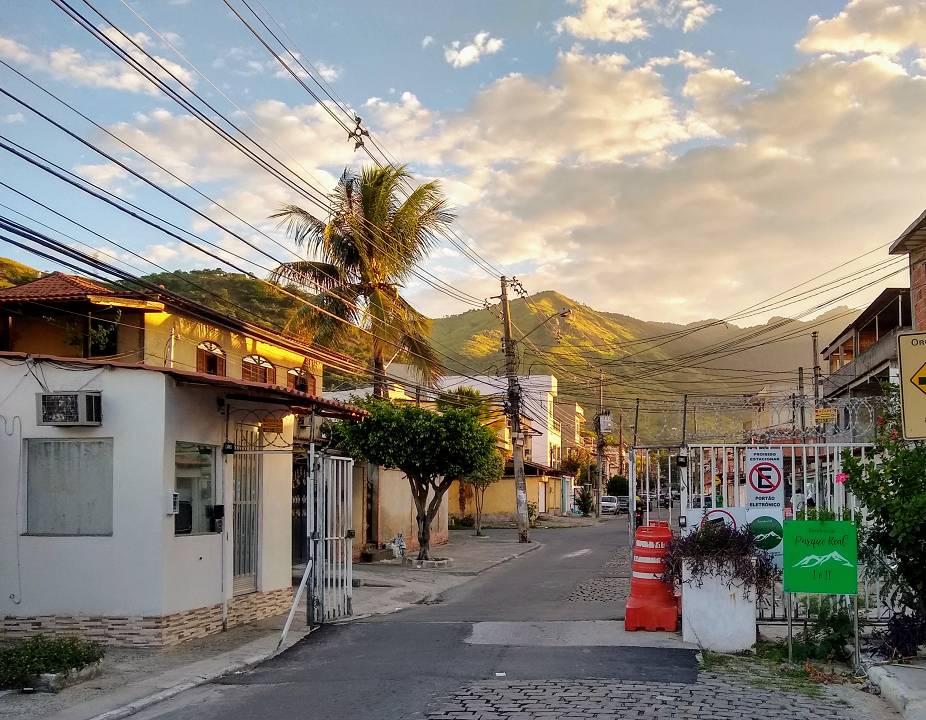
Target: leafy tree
[[577, 462], [891, 484], [618, 485], [585, 501], [365, 250], [489, 470], [432, 449], [465, 397]]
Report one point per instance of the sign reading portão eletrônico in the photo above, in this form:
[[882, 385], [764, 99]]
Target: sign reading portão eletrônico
[[820, 557]]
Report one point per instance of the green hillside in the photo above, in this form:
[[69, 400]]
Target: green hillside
[[565, 347]]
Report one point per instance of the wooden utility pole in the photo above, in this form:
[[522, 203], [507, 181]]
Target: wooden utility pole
[[514, 417], [600, 444], [800, 392], [620, 442]]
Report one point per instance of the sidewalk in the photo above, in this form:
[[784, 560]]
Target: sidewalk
[[134, 678]]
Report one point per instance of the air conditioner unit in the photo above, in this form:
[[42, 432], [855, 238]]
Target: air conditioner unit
[[173, 503], [81, 407]]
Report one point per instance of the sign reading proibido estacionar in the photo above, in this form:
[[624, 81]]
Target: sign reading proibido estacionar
[[765, 497]]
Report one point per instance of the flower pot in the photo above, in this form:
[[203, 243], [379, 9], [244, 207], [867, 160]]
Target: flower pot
[[717, 614]]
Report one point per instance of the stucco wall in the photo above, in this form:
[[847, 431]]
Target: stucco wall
[[918, 287], [188, 333], [117, 575], [396, 511], [500, 504]]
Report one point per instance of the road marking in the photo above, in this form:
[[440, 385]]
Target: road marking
[[501, 674], [577, 553]]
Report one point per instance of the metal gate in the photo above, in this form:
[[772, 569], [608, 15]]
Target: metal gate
[[715, 477], [331, 537], [246, 509]]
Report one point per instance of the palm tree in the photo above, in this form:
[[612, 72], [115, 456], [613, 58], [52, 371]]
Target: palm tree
[[369, 245]]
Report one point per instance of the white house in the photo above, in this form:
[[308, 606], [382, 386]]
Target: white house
[[152, 520]]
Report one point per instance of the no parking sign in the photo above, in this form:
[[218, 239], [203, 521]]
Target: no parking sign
[[765, 488]]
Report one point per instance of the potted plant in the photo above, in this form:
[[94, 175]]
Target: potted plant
[[721, 572]]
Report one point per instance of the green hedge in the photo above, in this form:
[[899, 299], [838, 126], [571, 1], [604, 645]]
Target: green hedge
[[40, 654]]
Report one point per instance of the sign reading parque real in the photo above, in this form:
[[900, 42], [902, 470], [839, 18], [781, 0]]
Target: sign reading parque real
[[820, 557]]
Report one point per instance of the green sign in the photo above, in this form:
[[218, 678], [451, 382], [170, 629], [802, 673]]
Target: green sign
[[767, 531], [820, 557]]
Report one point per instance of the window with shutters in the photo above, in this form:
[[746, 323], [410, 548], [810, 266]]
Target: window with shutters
[[300, 379], [210, 358], [258, 369]]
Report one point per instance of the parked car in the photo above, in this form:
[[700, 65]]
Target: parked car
[[608, 505], [623, 504]]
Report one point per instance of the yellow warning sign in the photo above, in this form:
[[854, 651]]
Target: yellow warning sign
[[911, 353]]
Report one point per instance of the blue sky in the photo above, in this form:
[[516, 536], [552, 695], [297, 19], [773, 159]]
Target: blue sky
[[642, 156]]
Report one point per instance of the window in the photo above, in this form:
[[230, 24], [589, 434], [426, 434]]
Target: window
[[210, 358], [103, 336], [300, 379], [194, 483], [69, 487], [258, 369]]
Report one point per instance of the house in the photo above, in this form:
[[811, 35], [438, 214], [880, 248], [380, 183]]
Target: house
[[912, 242], [864, 354], [149, 448]]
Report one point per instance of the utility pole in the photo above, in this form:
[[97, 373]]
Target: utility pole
[[600, 446], [800, 392], [620, 441], [816, 369], [514, 417]]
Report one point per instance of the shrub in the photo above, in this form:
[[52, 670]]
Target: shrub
[[533, 510], [465, 521], [585, 501], [716, 548], [40, 654]]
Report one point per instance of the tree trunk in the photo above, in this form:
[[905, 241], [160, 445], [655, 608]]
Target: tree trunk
[[424, 536], [462, 498], [426, 511], [480, 493], [379, 375]]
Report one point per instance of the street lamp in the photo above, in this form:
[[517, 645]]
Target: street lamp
[[562, 313]]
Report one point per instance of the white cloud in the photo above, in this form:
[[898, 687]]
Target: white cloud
[[623, 21], [684, 58], [12, 118], [459, 55], [68, 64], [869, 26], [427, 41]]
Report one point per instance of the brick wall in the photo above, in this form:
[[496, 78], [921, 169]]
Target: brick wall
[[918, 287], [153, 631]]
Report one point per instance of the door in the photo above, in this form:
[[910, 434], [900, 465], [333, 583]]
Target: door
[[331, 532], [541, 497], [246, 506], [300, 484]]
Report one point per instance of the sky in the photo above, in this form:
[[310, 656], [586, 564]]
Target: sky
[[671, 160]]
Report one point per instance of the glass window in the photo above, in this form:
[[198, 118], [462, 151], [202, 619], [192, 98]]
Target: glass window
[[257, 369], [195, 484], [69, 487], [210, 358]]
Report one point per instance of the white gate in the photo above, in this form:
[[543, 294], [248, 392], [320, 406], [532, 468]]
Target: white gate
[[331, 537]]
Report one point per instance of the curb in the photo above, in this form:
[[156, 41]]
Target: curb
[[154, 698], [910, 704]]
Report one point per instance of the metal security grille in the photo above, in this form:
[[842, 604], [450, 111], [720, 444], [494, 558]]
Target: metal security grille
[[330, 538], [247, 479]]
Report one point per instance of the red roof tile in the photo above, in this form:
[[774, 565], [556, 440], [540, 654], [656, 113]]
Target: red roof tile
[[56, 286]]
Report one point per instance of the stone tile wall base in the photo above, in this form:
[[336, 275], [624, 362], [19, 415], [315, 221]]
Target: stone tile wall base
[[154, 630]]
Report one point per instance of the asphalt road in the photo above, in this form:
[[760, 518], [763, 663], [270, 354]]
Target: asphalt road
[[534, 619]]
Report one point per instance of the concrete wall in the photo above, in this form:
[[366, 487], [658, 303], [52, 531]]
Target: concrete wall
[[500, 504], [396, 512], [117, 575], [143, 568]]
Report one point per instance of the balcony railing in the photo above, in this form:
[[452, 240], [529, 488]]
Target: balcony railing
[[557, 427]]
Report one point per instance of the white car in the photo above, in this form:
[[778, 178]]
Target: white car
[[608, 505]]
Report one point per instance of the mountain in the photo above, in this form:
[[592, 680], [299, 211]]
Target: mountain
[[638, 358], [817, 560]]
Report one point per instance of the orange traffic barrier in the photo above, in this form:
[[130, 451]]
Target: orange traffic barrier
[[652, 604]]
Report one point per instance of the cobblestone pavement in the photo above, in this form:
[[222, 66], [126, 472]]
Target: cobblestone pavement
[[711, 697], [612, 584]]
